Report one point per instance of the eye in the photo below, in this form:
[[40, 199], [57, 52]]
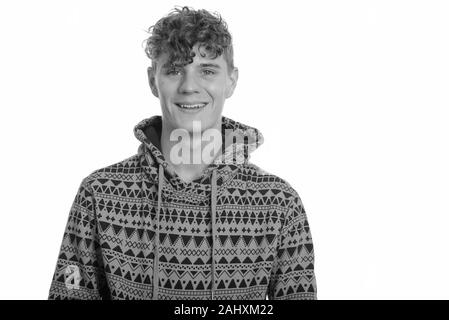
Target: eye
[[208, 72], [173, 72]]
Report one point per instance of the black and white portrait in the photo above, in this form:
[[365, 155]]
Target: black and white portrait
[[211, 150]]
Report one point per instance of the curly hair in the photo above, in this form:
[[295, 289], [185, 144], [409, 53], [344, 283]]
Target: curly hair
[[183, 28]]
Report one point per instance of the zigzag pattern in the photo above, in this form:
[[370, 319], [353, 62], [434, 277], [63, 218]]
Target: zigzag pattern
[[262, 238]]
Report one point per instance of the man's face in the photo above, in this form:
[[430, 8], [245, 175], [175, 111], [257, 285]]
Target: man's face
[[194, 92]]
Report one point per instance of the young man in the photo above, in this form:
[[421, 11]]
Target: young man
[[188, 216]]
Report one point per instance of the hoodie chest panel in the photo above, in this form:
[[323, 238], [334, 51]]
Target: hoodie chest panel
[[244, 242], [245, 248], [126, 238], [185, 255]]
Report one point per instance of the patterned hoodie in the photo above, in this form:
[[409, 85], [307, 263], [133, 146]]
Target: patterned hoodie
[[137, 231]]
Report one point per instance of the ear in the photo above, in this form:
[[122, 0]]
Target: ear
[[232, 82], [152, 81]]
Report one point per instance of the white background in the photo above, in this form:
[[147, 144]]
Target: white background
[[351, 96]]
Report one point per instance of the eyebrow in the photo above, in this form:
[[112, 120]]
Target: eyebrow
[[208, 65], [168, 65], [202, 65]]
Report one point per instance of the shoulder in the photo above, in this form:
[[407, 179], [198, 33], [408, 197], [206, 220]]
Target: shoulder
[[286, 197], [128, 169], [269, 179], [273, 182]]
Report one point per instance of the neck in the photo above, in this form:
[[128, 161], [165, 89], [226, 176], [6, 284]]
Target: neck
[[186, 155]]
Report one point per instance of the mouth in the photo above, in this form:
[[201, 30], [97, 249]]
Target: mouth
[[191, 107]]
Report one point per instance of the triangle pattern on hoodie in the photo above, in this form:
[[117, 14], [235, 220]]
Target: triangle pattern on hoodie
[[236, 232]]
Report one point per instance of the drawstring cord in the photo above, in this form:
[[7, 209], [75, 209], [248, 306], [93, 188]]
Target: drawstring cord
[[156, 241], [213, 209]]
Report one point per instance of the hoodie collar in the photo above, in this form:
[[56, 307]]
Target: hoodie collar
[[239, 141]]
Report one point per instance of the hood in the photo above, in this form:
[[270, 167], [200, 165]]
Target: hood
[[238, 141]]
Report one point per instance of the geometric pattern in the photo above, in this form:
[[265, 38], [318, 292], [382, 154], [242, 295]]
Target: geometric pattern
[[137, 231]]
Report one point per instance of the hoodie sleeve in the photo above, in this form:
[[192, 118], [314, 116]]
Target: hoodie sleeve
[[79, 273], [293, 276]]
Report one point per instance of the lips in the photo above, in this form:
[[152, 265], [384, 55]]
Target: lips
[[191, 106]]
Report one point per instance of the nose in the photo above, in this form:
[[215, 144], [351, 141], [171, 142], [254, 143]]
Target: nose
[[188, 84]]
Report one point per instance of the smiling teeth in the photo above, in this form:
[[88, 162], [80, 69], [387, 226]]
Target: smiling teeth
[[191, 106]]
